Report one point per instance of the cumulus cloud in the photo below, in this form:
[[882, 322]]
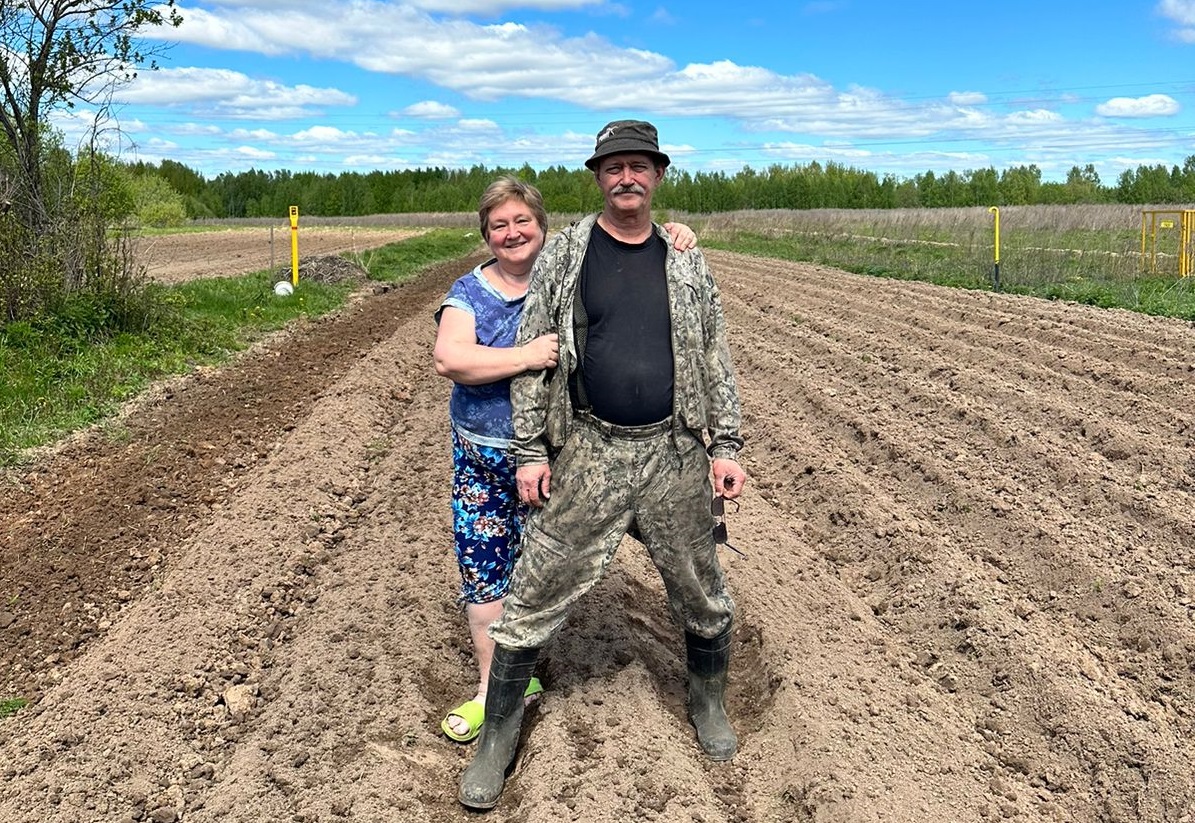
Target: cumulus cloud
[[589, 72], [491, 7], [967, 98], [434, 43], [1152, 105], [324, 134], [431, 110], [1181, 12], [1035, 117], [224, 92], [254, 153], [477, 124], [252, 134]]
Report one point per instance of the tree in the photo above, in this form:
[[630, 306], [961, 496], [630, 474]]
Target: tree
[[1083, 185], [56, 53], [1019, 185], [156, 203]]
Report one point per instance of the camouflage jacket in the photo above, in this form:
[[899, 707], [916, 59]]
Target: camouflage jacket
[[705, 395]]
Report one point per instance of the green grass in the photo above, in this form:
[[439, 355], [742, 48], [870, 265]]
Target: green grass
[[12, 706], [1094, 267], [64, 372], [399, 261]]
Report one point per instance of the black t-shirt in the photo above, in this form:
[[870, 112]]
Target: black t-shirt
[[627, 368]]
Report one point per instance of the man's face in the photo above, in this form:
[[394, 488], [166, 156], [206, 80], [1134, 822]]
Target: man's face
[[628, 180]]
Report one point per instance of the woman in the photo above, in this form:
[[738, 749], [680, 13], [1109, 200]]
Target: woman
[[475, 349]]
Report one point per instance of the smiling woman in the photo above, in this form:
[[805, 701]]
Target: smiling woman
[[475, 349]]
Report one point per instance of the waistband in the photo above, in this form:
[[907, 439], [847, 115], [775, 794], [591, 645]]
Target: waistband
[[624, 432]]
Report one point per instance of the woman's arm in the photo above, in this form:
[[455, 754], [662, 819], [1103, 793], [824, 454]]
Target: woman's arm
[[459, 357]]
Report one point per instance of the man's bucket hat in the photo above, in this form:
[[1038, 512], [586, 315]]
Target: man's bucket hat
[[627, 137]]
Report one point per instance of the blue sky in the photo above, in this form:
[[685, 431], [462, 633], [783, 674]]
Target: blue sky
[[894, 88]]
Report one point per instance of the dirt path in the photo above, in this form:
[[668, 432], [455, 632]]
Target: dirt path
[[967, 594]]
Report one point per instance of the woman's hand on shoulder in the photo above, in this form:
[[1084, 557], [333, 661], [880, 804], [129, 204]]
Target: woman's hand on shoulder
[[542, 353], [683, 237]]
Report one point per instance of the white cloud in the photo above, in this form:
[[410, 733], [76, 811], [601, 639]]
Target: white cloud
[[205, 28], [324, 134], [1153, 105], [662, 17], [1035, 117], [478, 125], [588, 72], [254, 153], [227, 93], [252, 134], [435, 45], [490, 7], [431, 110], [967, 98], [1181, 12]]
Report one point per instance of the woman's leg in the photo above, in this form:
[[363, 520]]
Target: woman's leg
[[479, 616], [488, 521]]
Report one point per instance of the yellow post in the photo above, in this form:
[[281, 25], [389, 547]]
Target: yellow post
[[996, 268], [294, 245], [1185, 251]]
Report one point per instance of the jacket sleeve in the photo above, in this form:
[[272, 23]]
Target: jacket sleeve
[[723, 412], [529, 390]]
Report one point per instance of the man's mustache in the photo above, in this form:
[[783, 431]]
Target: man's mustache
[[633, 188]]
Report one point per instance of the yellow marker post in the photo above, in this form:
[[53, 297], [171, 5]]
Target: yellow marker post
[[294, 245], [996, 269]]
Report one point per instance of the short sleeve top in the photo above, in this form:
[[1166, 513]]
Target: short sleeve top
[[481, 413]]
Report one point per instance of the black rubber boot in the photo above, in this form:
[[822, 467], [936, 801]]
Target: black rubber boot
[[509, 672], [709, 660]]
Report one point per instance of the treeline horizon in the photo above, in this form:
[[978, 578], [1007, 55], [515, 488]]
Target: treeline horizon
[[258, 193]]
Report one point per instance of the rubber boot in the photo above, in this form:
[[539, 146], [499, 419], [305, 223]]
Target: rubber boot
[[510, 671], [709, 660]]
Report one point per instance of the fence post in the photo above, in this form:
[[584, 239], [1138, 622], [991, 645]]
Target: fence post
[[996, 267]]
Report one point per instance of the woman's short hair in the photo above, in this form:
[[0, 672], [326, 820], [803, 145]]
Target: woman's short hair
[[511, 188]]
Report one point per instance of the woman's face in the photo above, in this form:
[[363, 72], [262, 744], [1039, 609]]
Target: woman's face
[[515, 237]]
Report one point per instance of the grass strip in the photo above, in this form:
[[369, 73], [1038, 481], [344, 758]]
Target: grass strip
[[1091, 278], [63, 372]]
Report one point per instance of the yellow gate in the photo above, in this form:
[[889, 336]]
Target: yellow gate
[[1153, 220]]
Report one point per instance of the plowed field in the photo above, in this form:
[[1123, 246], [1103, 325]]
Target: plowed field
[[966, 595], [175, 258]]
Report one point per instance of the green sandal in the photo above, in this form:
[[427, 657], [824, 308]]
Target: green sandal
[[473, 713]]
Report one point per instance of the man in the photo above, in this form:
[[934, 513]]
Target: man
[[615, 438]]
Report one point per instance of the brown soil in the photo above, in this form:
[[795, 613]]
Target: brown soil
[[966, 596]]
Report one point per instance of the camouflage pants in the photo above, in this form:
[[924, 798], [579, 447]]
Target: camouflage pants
[[604, 479]]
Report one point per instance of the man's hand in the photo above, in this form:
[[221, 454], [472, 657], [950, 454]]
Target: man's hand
[[534, 484], [729, 478]]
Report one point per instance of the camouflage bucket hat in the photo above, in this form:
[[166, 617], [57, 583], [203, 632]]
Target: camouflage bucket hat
[[627, 137]]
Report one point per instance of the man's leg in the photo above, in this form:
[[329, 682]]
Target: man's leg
[[674, 514], [566, 547], [568, 544], [708, 663], [482, 782]]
